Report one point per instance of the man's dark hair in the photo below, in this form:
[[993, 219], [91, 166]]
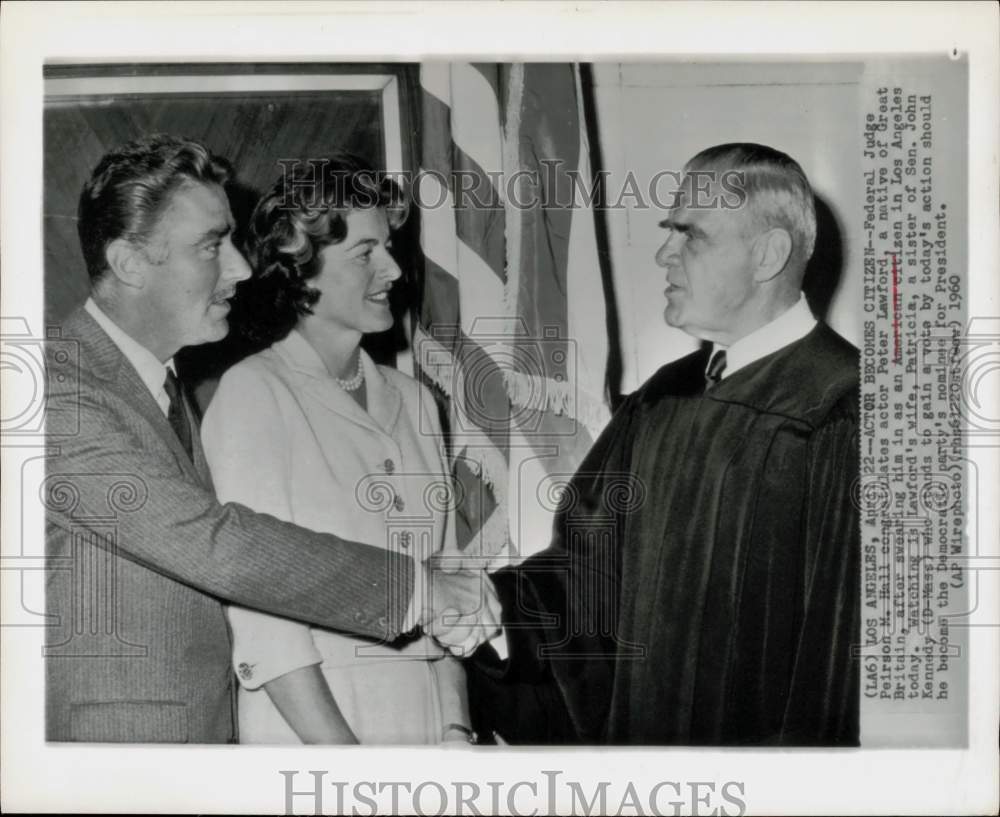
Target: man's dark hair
[[304, 211], [132, 186]]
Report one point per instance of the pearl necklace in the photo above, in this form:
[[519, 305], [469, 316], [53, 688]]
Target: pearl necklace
[[352, 383]]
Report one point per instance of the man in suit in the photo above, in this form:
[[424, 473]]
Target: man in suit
[[141, 555], [702, 585]]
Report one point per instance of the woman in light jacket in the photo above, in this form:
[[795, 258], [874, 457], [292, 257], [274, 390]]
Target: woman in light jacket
[[312, 431]]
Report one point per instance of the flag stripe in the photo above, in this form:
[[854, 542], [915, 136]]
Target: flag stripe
[[435, 154], [439, 304], [479, 219], [438, 239], [435, 80], [490, 72], [512, 302], [476, 122], [464, 280], [550, 132]]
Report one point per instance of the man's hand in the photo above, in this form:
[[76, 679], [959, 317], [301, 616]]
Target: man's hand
[[461, 609]]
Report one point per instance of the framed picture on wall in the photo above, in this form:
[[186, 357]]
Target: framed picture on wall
[[262, 118]]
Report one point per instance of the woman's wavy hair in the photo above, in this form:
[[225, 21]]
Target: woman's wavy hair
[[304, 211]]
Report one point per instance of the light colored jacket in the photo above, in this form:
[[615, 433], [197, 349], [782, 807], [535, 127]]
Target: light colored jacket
[[282, 437]]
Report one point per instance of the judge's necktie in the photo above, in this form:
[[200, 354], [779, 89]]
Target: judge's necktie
[[716, 366], [176, 414]]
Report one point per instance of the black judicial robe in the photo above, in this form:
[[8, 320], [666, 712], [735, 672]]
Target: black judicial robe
[[702, 586]]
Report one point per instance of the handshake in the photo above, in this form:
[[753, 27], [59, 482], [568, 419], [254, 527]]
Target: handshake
[[458, 603]]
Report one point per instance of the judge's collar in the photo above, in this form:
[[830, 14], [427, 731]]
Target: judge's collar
[[791, 325]]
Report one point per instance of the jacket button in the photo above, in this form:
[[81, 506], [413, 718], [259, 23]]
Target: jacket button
[[397, 502], [389, 466], [246, 671]]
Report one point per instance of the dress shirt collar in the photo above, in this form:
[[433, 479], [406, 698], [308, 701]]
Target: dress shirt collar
[[150, 370], [790, 326]]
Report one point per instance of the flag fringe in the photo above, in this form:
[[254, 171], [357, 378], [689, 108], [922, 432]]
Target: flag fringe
[[494, 539], [524, 390], [490, 466], [492, 542], [425, 349], [556, 396], [487, 463]]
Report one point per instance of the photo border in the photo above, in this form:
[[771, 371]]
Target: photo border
[[215, 779]]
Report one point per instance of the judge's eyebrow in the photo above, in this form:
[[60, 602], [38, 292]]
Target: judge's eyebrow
[[215, 234], [684, 228]]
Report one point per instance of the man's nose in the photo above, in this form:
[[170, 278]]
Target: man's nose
[[664, 253], [670, 247], [235, 268]]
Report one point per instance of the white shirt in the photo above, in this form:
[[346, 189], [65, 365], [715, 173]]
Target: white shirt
[[790, 326], [151, 371]]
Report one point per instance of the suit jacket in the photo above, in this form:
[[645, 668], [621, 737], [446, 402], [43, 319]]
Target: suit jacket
[[142, 555]]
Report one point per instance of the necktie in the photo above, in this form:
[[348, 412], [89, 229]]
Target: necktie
[[176, 414], [716, 366]]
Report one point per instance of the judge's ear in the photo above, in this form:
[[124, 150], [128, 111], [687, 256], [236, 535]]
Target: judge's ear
[[127, 263], [771, 253]]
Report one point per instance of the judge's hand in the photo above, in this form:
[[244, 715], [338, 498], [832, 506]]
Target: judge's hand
[[461, 609]]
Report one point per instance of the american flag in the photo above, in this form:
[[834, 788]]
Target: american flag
[[512, 324]]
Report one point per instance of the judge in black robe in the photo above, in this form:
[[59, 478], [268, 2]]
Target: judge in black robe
[[702, 584]]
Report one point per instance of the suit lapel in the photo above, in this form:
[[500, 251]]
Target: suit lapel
[[107, 362], [197, 451]]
